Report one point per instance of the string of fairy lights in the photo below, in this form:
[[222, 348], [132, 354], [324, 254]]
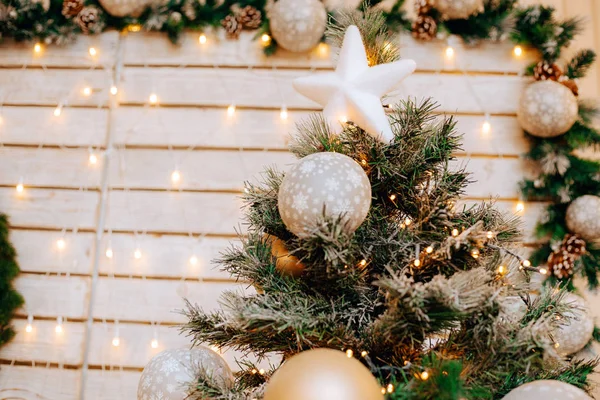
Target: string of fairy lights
[[95, 155]]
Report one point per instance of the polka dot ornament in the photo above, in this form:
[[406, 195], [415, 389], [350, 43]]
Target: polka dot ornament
[[547, 390], [583, 217], [577, 331], [324, 184], [168, 374], [547, 109], [458, 9], [297, 25]]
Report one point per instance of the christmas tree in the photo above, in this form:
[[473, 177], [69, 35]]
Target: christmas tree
[[372, 280]]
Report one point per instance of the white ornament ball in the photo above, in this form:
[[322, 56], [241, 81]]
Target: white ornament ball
[[329, 184], [583, 217], [127, 8], [297, 25], [169, 374], [547, 390], [458, 9], [577, 329], [547, 109]]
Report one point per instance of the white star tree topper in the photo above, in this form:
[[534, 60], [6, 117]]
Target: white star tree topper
[[353, 91]]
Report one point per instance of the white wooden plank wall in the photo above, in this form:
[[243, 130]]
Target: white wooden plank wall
[[127, 201]]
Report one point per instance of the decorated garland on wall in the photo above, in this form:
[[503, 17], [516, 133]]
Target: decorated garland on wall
[[10, 299]]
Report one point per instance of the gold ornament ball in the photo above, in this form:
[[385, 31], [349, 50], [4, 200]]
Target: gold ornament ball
[[286, 264], [547, 109], [547, 390], [127, 8], [169, 373], [323, 374], [458, 9], [297, 25], [329, 184], [577, 328], [583, 217]]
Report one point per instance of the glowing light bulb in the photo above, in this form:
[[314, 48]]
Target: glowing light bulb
[[501, 269], [518, 51], [154, 343], [349, 353], [109, 253], [363, 263], [116, 341], [87, 91], [363, 161], [20, 187], [383, 390], [265, 39], [363, 353], [60, 243], [261, 371], [323, 49], [407, 221], [417, 262], [202, 38], [556, 345], [57, 111], [543, 271], [153, 99], [93, 158], [392, 197], [520, 206], [343, 119], [283, 114], [59, 327], [449, 52], [29, 328], [137, 254], [37, 48], [526, 263], [424, 375], [231, 110], [475, 253], [113, 90], [134, 27], [486, 127], [390, 388], [454, 232], [193, 260], [93, 51], [489, 235], [175, 176], [429, 249]]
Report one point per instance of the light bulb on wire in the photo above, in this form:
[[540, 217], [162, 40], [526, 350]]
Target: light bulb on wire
[[518, 51], [193, 260], [93, 159], [520, 207], [20, 188], [449, 52], [265, 39], [109, 252], [60, 243], [87, 91], [153, 99], [29, 327], [202, 38], [137, 254], [113, 90], [231, 110], [486, 127], [93, 52], [37, 48], [59, 325], [154, 343], [175, 176], [57, 111], [283, 114]]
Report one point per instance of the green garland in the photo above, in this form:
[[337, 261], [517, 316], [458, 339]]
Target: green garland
[[10, 300]]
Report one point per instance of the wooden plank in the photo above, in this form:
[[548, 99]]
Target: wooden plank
[[39, 126], [156, 49], [505, 137], [74, 55], [272, 89], [53, 296], [49, 208], [163, 256], [50, 167], [153, 299], [111, 385], [51, 87], [35, 383], [38, 251], [43, 345]]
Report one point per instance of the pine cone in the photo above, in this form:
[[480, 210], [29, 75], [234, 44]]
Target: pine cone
[[71, 8], [250, 17], [88, 20], [562, 261], [423, 6], [570, 83], [424, 28], [233, 26], [546, 71]]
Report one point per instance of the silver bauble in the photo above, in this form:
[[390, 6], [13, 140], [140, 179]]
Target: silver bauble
[[297, 25], [577, 329], [458, 9], [329, 184], [547, 109], [547, 390], [127, 8], [583, 217], [169, 373]]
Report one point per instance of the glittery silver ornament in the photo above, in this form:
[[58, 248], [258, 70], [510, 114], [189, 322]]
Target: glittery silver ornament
[[297, 25], [547, 109], [329, 184], [576, 330], [169, 374], [458, 9], [127, 8], [583, 217], [547, 390]]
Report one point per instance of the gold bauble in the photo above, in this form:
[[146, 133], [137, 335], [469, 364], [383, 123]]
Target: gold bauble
[[547, 390], [583, 217], [285, 263], [323, 374], [547, 109], [127, 8], [578, 327], [297, 25], [458, 9]]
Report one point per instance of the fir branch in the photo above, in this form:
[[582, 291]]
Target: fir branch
[[580, 64], [10, 299]]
